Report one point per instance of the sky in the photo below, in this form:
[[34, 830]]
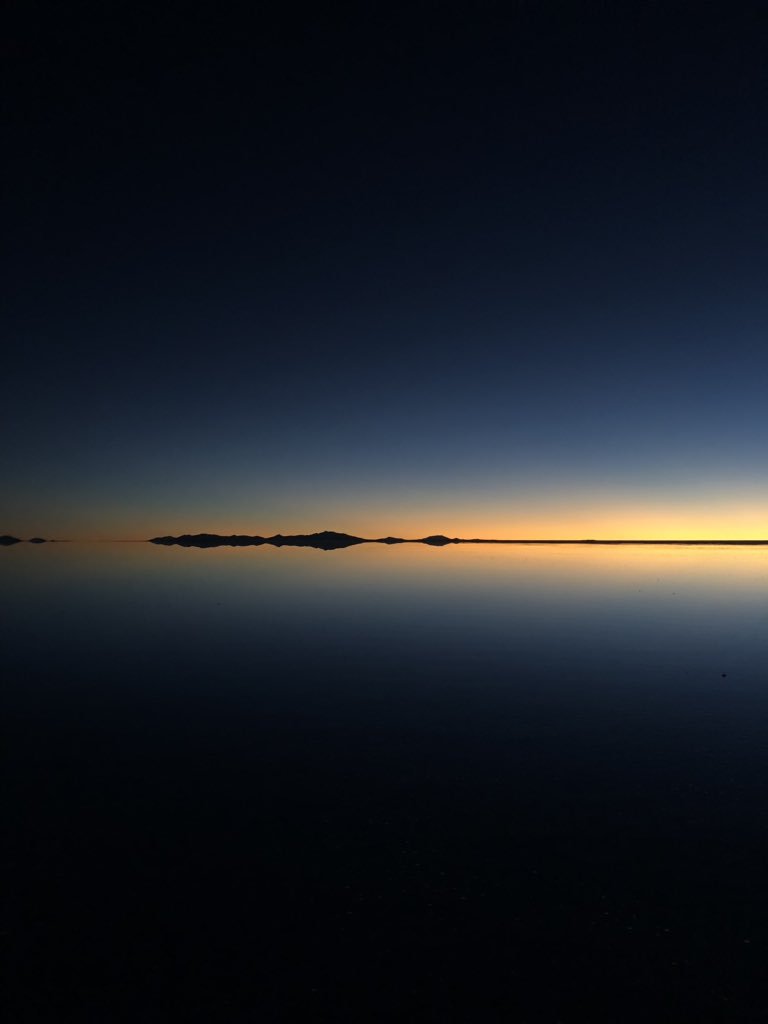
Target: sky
[[484, 270]]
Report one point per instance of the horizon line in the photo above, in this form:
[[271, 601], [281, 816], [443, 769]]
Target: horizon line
[[438, 540], [448, 540]]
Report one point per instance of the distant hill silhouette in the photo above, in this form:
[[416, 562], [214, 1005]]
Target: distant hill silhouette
[[329, 540], [210, 540]]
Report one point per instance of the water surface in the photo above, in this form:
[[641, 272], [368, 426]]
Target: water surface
[[410, 783]]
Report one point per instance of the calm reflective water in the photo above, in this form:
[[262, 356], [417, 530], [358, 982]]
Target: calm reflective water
[[456, 784]]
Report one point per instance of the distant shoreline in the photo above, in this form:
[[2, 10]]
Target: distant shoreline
[[330, 540]]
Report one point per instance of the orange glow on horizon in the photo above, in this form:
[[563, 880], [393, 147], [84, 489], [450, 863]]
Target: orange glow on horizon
[[752, 525], [499, 516]]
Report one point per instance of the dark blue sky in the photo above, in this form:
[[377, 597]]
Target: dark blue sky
[[497, 268]]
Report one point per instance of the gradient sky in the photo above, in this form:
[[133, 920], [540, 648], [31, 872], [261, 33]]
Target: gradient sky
[[486, 270]]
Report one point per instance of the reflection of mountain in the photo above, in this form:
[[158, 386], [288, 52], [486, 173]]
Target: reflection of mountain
[[209, 540], [327, 540]]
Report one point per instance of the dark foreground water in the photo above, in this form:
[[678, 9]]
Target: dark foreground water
[[386, 784]]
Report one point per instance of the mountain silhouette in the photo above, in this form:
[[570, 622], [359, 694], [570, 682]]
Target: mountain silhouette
[[329, 540], [6, 540], [209, 540]]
